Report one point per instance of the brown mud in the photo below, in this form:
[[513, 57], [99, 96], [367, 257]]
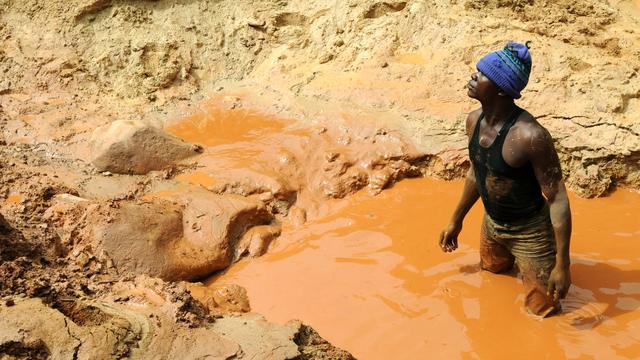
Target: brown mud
[[148, 145], [286, 162]]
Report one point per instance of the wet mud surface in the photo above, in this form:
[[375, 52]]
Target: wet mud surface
[[361, 264], [347, 245], [286, 162], [370, 276], [297, 125]]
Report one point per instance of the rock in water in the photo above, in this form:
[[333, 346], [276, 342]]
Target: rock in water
[[176, 242], [133, 147]]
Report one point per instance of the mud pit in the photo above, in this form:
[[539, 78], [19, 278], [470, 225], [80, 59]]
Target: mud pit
[[370, 276], [296, 126], [366, 270]]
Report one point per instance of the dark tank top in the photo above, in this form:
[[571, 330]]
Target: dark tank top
[[509, 194]]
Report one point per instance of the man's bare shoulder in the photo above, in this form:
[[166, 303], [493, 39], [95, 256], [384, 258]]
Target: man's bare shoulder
[[530, 132]]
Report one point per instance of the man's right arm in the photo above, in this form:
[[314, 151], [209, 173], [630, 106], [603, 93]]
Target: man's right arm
[[449, 236]]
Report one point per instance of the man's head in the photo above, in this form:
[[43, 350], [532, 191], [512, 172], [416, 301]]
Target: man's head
[[507, 69]]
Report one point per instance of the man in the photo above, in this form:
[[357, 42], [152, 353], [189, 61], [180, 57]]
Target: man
[[516, 171]]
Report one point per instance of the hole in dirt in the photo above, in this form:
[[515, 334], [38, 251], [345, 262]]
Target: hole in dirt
[[48, 193], [290, 19], [35, 350], [381, 9], [5, 228], [81, 315]]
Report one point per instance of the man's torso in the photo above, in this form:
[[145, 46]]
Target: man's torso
[[505, 178]]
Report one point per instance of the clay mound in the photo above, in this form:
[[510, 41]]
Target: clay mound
[[218, 223], [220, 299], [106, 330], [304, 343], [247, 182], [121, 332], [133, 147], [168, 240]]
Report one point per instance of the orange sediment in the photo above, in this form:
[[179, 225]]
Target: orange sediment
[[237, 139], [14, 199], [215, 125], [198, 178], [411, 58], [247, 152]]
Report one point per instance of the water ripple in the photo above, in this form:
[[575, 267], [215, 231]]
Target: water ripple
[[581, 311]]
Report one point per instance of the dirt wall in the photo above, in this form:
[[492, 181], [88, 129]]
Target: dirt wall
[[390, 57]]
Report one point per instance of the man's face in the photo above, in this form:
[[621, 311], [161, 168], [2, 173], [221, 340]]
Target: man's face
[[481, 87]]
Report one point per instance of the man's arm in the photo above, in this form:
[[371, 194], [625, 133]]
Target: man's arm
[[546, 165], [449, 236]]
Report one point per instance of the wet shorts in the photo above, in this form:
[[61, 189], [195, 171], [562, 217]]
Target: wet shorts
[[530, 243]]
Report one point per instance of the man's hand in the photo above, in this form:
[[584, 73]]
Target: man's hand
[[559, 282], [449, 237]]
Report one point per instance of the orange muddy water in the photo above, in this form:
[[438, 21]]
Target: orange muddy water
[[241, 139], [371, 279], [366, 271]]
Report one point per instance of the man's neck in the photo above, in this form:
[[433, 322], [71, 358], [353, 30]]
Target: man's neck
[[496, 112]]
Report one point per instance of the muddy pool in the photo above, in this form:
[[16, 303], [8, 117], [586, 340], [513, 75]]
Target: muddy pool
[[367, 273]]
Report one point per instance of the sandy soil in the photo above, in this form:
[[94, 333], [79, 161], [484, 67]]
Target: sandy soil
[[149, 143]]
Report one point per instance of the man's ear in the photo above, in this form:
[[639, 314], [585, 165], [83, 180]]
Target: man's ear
[[502, 93]]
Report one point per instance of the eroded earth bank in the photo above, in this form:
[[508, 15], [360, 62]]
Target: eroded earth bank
[[152, 151]]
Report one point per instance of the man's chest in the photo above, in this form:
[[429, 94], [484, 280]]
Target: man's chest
[[508, 148]]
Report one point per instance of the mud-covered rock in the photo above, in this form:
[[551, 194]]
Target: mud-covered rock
[[255, 242], [173, 241], [243, 329], [139, 328], [294, 340], [221, 298], [312, 346], [133, 147], [103, 330], [248, 182]]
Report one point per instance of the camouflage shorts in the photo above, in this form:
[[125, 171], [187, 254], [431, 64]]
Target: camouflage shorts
[[530, 244]]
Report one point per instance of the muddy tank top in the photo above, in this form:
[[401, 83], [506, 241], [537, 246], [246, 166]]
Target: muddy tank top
[[508, 194]]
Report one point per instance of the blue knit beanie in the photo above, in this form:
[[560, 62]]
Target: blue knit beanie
[[508, 68]]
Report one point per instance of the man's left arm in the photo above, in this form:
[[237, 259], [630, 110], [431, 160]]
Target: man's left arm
[[544, 158]]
